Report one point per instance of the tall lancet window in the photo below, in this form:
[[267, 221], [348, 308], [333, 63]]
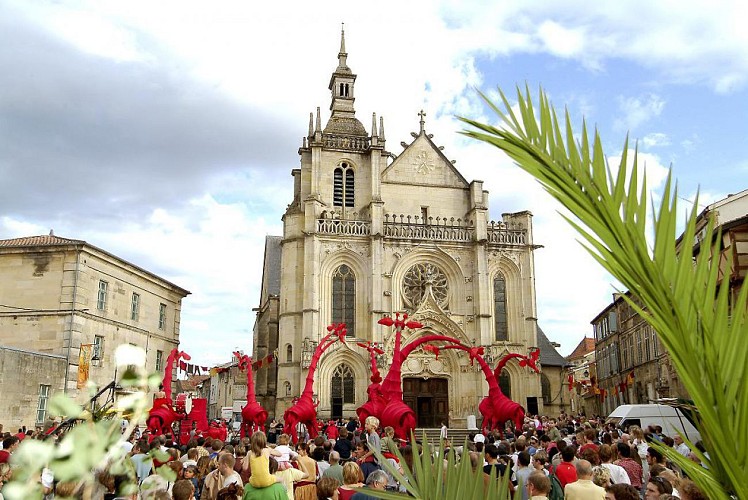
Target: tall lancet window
[[344, 298], [499, 308], [343, 186], [343, 384]]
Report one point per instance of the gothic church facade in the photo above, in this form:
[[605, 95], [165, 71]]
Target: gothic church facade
[[368, 234]]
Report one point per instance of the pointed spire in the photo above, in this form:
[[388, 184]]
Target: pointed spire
[[422, 114], [342, 38], [381, 128], [374, 125], [342, 55], [318, 124], [311, 123]]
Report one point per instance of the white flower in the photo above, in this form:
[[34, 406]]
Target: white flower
[[127, 354]]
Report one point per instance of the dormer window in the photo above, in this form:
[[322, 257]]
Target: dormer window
[[343, 186]]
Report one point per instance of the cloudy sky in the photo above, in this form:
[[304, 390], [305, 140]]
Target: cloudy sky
[[165, 131]]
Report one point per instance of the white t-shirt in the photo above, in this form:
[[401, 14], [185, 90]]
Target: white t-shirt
[[617, 474]]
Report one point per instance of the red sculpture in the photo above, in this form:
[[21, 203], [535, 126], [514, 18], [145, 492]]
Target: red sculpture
[[254, 415], [162, 415], [304, 410], [385, 401]]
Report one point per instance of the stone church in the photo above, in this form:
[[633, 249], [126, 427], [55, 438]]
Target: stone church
[[369, 233]]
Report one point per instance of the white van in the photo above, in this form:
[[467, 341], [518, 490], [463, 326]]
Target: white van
[[670, 419]]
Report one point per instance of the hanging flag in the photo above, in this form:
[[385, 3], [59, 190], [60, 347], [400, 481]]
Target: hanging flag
[[84, 362], [183, 366], [630, 378], [571, 382]]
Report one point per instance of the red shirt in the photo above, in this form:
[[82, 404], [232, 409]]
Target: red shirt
[[633, 469], [588, 446], [566, 473], [4, 457]]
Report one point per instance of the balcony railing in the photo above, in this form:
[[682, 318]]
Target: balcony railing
[[418, 228], [499, 233], [431, 228]]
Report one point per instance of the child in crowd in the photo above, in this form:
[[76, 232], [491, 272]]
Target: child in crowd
[[259, 455], [286, 453], [389, 445]]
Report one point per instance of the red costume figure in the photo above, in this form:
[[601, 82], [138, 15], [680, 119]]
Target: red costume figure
[[304, 410], [254, 415], [376, 401], [162, 415]]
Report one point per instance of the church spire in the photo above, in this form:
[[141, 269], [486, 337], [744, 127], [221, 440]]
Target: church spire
[[343, 119]]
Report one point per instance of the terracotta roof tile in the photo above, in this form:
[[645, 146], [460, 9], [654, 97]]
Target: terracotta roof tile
[[38, 241], [586, 346]]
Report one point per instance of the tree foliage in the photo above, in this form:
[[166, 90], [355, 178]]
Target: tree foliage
[[682, 294]]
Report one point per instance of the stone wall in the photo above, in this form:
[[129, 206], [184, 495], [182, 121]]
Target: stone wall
[[23, 374]]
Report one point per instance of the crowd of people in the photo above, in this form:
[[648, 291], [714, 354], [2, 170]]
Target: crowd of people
[[566, 457]]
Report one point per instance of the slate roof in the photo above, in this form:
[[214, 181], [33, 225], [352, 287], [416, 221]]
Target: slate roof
[[549, 356], [272, 268], [586, 346]]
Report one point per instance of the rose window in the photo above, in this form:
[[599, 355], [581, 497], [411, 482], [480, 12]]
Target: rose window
[[418, 279]]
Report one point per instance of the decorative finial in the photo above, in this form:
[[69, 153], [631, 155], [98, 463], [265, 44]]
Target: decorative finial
[[381, 128], [311, 125], [318, 124], [374, 125], [422, 114]]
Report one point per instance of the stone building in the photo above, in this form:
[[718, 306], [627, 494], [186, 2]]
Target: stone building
[[629, 355], [580, 370], [369, 233], [68, 298]]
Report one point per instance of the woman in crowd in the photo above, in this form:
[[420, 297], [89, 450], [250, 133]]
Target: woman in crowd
[[352, 478]]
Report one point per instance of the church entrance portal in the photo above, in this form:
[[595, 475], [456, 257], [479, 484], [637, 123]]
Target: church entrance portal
[[429, 398]]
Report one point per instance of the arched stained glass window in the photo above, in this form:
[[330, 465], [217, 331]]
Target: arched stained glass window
[[343, 384], [344, 298], [499, 308], [505, 384]]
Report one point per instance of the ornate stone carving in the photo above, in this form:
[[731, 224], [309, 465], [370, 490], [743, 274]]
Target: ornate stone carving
[[423, 162], [418, 277]]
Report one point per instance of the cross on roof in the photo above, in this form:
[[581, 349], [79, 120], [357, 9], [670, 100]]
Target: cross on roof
[[422, 114]]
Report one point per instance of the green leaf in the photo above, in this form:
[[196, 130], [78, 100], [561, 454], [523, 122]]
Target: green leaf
[[698, 320]]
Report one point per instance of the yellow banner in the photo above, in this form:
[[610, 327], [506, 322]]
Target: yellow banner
[[84, 362]]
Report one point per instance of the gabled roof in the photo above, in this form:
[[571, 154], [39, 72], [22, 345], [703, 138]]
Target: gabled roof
[[586, 346], [423, 163], [549, 356]]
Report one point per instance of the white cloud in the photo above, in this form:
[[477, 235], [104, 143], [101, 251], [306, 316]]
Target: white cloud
[[636, 111], [655, 139], [560, 40]]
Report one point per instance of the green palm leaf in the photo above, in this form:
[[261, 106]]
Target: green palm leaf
[[682, 297]]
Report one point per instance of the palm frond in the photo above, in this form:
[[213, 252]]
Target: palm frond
[[682, 297]]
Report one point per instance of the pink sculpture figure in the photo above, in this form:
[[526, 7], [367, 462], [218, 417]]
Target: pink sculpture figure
[[395, 412], [376, 401], [162, 415], [254, 415], [304, 410]]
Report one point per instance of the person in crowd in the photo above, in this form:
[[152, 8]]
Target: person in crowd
[[566, 472], [601, 476], [538, 486], [335, 470], [286, 453], [680, 446], [377, 480], [10, 444], [306, 491], [353, 477], [259, 455], [327, 488], [183, 490], [343, 445], [617, 473], [366, 459], [287, 477], [657, 486], [622, 491], [523, 473], [689, 491], [318, 455], [633, 469], [275, 491], [583, 488], [190, 474], [223, 476]]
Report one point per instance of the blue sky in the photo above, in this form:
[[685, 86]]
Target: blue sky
[[165, 132]]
